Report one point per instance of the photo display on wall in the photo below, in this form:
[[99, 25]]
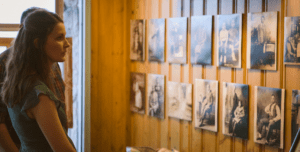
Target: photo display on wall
[[177, 40], [137, 93], [269, 116], [201, 39], [292, 40], [295, 112], [180, 100], [229, 40], [235, 110], [262, 41], [156, 95], [156, 40], [206, 104], [137, 40]]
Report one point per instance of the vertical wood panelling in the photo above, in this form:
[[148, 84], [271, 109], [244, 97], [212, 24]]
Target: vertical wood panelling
[[110, 112]]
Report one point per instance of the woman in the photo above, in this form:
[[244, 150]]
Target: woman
[[36, 113]]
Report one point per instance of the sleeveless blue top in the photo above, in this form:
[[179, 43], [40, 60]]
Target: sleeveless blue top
[[31, 136]]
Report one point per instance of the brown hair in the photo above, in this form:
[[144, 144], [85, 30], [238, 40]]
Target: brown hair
[[27, 61]]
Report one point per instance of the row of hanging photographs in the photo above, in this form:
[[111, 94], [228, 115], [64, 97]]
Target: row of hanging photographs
[[261, 40], [269, 108]]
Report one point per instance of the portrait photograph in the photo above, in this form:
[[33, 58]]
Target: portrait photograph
[[137, 40], [235, 110], [137, 93], [206, 104], [229, 40], [156, 97], [156, 40], [269, 116], [201, 39], [295, 112], [262, 41], [179, 96], [177, 40], [292, 40]]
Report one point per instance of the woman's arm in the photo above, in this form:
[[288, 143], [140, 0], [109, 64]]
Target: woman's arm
[[46, 116], [5, 140]]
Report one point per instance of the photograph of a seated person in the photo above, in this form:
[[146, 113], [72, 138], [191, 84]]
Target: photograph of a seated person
[[270, 126], [205, 108], [237, 121]]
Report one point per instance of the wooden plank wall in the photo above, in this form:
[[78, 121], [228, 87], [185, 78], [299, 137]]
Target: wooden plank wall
[[113, 126]]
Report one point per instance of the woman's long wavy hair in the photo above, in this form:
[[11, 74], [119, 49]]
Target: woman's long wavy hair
[[27, 61]]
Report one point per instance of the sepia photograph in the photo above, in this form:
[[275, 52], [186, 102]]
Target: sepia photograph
[[292, 40], [180, 100], [156, 97], [156, 40], [137, 93], [262, 41], [137, 40], [206, 104], [235, 110], [229, 40], [269, 116], [177, 40], [295, 112], [201, 39]]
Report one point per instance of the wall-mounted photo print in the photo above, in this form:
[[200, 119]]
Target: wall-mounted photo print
[[137, 40], [295, 112], [206, 104], [262, 40], [269, 116], [180, 100], [177, 40], [292, 40], [235, 110], [156, 40], [229, 40], [155, 93], [201, 31], [137, 93]]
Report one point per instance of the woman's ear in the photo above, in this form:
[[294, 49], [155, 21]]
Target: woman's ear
[[36, 43]]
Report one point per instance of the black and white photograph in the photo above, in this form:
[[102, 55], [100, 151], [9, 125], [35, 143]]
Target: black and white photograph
[[206, 104], [229, 40], [177, 40], [137, 93], [262, 41], [235, 110], [292, 40], [295, 112], [201, 39], [180, 100], [137, 40], [156, 40], [269, 116], [156, 95]]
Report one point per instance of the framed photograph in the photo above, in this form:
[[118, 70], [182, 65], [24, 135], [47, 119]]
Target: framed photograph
[[137, 40], [269, 116], [292, 40], [262, 41], [206, 104], [180, 100], [177, 40], [156, 40], [201, 43], [295, 112], [229, 40], [296, 143], [137, 93], [235, 110], [156, 95]]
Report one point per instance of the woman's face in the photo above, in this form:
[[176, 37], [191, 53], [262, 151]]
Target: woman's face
[[57, 44]]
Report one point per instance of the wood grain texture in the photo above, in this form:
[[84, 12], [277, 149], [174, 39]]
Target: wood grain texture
[[110, 111]]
